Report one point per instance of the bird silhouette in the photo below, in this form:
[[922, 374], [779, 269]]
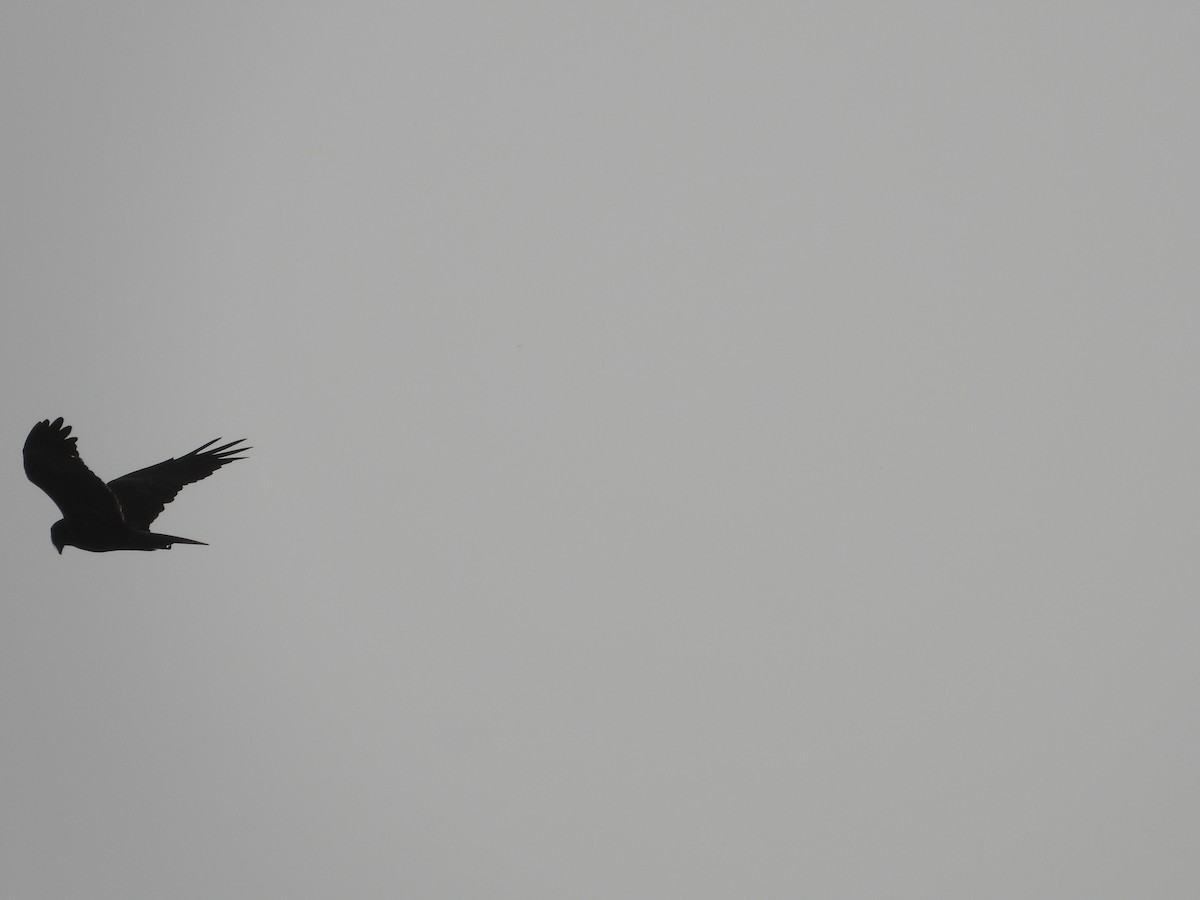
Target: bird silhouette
[[116, 516]]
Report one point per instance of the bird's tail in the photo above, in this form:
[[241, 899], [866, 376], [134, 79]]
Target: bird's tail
[[164, 541]]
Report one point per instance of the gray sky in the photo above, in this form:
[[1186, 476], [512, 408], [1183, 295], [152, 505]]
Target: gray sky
[[701, 450]]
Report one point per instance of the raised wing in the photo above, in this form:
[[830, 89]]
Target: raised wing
[[52, 463], [144, 493]]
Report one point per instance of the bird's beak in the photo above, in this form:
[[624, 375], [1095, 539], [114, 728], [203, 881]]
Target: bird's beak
[[59, 550]]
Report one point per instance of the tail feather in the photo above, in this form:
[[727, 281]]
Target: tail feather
[[164, 541]]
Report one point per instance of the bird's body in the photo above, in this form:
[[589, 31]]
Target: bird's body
[[116, 516]]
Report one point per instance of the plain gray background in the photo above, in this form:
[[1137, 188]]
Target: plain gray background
[[701, 450]]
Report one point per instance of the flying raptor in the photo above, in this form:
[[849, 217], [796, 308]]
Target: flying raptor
[[114, 516]]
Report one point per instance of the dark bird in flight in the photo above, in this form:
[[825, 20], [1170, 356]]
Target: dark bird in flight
[[114, 516]]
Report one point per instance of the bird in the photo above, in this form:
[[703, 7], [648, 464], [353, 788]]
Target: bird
[[101, 517]]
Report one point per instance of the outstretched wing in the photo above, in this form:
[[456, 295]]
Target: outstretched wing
[[144, 493], [52, 463]]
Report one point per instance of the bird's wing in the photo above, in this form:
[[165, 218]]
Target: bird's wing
[[144, 493], [52, 463]]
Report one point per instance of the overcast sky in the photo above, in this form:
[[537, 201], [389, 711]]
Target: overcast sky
[[701, 450]]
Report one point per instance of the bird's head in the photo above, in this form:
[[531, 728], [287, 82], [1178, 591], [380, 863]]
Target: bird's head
[[59, 535]]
